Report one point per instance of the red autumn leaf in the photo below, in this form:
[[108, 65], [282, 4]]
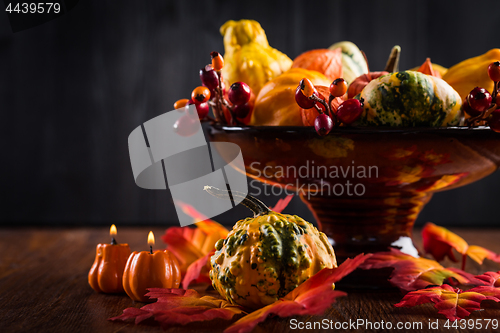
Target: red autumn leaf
[[491, 279], [180, 307], [198, 271], [312, 297], [282, 203], [412, 273], [440, 242], [452, 303]]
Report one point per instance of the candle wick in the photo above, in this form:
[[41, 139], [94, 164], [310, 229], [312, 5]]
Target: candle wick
[[151, 249], [113, 241]]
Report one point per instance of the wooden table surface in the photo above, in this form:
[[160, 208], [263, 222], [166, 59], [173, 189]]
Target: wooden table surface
[[44, 288]]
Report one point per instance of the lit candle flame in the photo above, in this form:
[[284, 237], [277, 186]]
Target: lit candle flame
[[112, 230], [151, 239]]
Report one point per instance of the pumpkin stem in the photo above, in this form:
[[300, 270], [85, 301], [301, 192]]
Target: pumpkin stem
[[254, 204], [367, 66], [393, 61]]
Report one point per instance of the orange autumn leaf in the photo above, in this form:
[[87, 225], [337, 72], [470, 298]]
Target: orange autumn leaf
[[312, 297], [479, 253], [412, 273], [180, 307], [440, 242], [453, 303]]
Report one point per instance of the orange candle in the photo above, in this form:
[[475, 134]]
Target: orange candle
[[107, 271], [148, 269]]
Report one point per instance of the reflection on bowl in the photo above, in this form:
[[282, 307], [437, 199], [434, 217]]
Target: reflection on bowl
[[366, 186]]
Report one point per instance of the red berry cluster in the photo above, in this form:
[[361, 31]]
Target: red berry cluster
[[212, 93], [483, 107], [307, 97]]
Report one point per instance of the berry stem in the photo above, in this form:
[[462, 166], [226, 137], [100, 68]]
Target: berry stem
[[319, 100], [475, 121], [334, 116], [223, 102]]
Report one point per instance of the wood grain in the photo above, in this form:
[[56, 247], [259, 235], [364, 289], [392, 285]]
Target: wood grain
[[44, 288]]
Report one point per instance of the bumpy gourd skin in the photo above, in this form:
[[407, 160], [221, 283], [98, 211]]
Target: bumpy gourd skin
[[266, 257], [409, 99]]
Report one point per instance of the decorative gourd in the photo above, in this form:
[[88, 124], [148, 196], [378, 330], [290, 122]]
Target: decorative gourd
[[159, 269], [275, 105], [471, 73], [353, 61], [105, 275], [410, 99], [327, 62], [248, 56], [266, 256]]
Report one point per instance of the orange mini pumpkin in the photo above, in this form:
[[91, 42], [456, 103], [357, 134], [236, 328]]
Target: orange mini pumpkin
[[276, 106], [159, 269], [106, 273], [327, 62]]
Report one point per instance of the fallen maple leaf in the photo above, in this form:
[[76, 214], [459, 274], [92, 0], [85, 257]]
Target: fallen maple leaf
[[180, 307], [452, 303], [412, 273], [312, 297], [440, 242]]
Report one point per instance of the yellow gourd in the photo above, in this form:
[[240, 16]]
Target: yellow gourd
[[275, 105], [471, 73], [248, 56], [266, 256]]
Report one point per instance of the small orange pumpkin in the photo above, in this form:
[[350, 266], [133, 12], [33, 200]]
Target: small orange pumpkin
[[327, 62], [144, 270], [106, 273], [276, 106]]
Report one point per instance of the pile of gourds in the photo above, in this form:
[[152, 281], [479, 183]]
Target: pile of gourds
[[427, 96]]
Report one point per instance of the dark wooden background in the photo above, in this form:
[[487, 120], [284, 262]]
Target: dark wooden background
[[73, 89]]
